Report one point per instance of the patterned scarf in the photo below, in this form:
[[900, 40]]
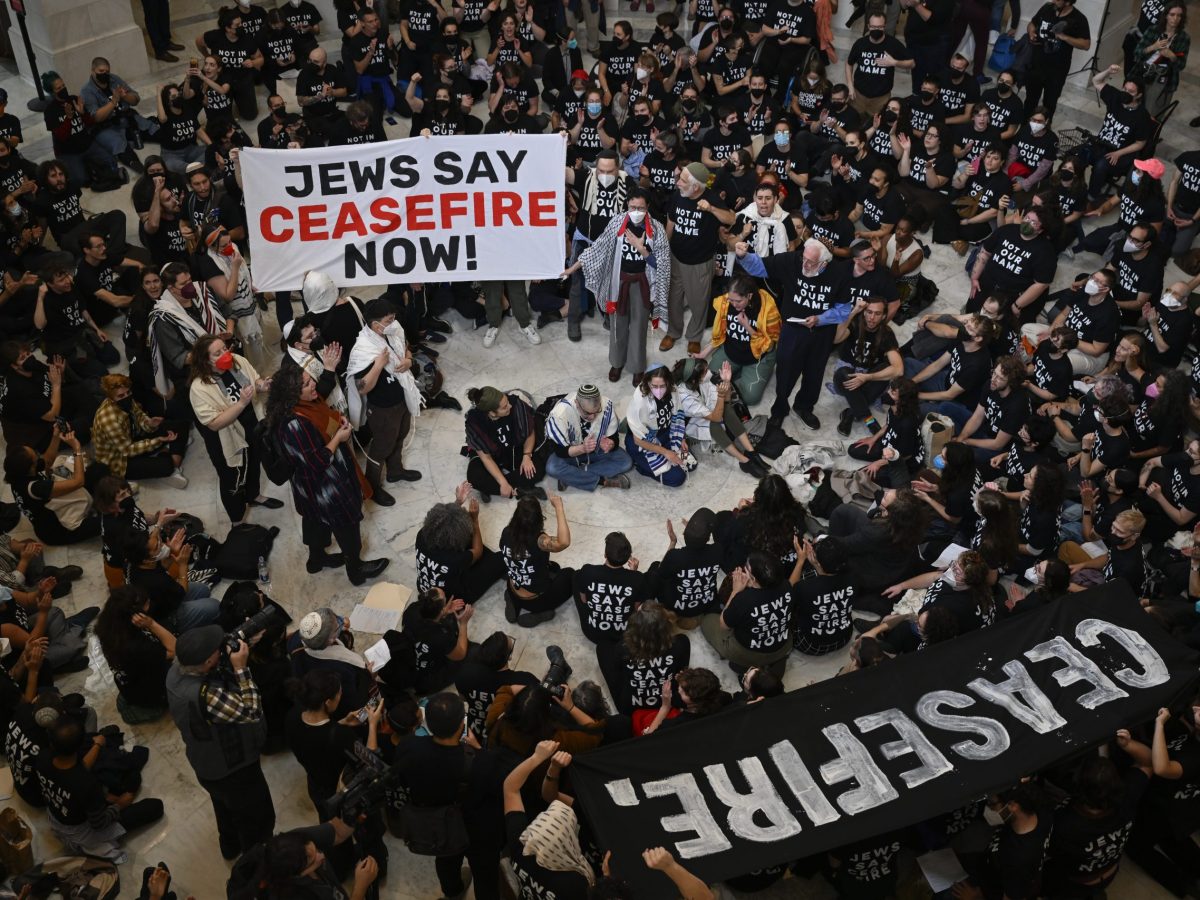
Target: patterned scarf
[[553, 840]]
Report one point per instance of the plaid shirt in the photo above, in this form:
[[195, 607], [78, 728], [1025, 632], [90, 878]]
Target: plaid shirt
[[233, 706], [112, 438]]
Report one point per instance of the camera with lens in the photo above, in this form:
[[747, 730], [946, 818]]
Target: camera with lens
[[367, 789], [253, 626], [556, 676]]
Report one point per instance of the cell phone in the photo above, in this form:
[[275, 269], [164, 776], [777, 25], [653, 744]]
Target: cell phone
[[391, 120]]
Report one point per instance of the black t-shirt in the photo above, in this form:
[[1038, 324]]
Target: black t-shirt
[[278, 46], [631, 260], [440, 569], [1122, 126], [921, 115], [761, 618], [1187, 195], [1014, 861], [1125, 563], [620, 62], [478, 685], [821, 613], [955, 97], [1039, 528], [877, 284], [1177, 798], [432, 641], [64, 316], [695, 234], [1006, 111], [433, 772], [1032, 149], [609, 596], [1050, 374], [1181, 485], [880, 211], [642, 686], [661, 172], [783, 162], [165, 592], [974, 142], [321, 750], [867, 867], [23, 742], [737, 336], [26, 400], [796, 19], [867, 350], [141, 672], [533, 881], [1056, 54], [89, 280], [358, 46], [803, 296], [10, 126], [686, 579], [1016, 263], [115, 530], [724, 146], [1175, 326], [166, 245], [970, 370], [311, 83], [62, 210], [529, 571], [1005, 414], [968, 609], [1136, 276], [904, 435], [871, 79], [1084, 846], [233, 53], [70, 794], [942, 164], [1094, 322], [837, 230], [587, 145]]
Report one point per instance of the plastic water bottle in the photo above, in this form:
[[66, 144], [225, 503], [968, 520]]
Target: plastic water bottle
[[264, 574]]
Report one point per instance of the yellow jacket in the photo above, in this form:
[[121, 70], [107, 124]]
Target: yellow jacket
[[766, 327]]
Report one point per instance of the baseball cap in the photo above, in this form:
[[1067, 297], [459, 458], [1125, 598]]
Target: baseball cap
[[197, 644], [1152, 167]]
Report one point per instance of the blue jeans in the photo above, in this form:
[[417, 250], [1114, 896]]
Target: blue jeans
[[112, 139], [937, 382], [77, 170], [198, 608], [368, 84], [573, 473]]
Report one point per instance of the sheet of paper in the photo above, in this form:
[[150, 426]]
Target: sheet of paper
[[373, 621], [386, 595], [1094, 548], [942, 869], [378, 656], [1082, 386], [949, 555]]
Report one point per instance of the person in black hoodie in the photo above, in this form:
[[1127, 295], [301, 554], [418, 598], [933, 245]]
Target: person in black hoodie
[[482, 674], [606, 595]]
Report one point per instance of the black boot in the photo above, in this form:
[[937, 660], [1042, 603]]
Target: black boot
[[365, 569]]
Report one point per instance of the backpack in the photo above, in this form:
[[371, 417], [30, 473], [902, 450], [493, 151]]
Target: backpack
[[82, 877], [237, 556], [275, 461], [774, 442]]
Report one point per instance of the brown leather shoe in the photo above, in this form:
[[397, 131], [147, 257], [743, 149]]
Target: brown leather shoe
[[693, 346], [637, 378], [960, 247], [614, 374], [666, 343]]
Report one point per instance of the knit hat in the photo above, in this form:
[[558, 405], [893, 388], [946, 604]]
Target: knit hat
[[319, 627], [487, 399], [197, 644], [698, 171], [588, 394], [47, 707]]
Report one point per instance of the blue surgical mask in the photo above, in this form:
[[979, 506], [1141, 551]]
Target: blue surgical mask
[[594, 109], [782, 138], [1136, 176], [572, 44]]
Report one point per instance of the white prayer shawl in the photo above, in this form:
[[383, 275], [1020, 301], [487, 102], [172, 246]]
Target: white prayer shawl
[[366, 349], [769, 236], [243, 303], [698, 406], [310, 363], [168, 307], [338, 652]]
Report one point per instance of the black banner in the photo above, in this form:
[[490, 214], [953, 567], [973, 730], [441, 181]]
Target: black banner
[[880, 749]]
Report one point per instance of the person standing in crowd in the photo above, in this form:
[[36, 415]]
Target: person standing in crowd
[[1056, 31], [216, 707], [380, 369], [629, 268], [872, 64], [602, 196], [812, 285], [587, 452], [328, 487], [222, 392]]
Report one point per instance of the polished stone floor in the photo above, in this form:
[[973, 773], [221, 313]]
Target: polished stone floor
[[186, 838]]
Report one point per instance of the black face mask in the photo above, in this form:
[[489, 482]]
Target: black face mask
[[957, 76], [837, 105], [757, 95], [64, 95], [441, 105], [29, 364], [510, 115], [127, 504], [1127, 98], [689, 105], [452, 42], [927, 96], [727, 24], [103, 80], [1066, 176], [317, 344], [890, 116], [876, 34], [1004, 89]]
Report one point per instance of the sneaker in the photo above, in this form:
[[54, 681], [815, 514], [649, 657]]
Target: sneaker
[[621, 481], [807, 417], [489, 336], [176, 480], [530, 331], [209, 576], [574, 332], [436, 323]]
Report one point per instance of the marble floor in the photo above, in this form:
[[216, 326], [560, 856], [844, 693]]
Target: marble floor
[[185, 838]]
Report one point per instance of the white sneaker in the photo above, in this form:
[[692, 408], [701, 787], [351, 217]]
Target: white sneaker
[[530, 331], [489, 336], [176, 480]]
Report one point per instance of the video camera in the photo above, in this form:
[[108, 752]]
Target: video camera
[[366, 790], [256, 624], [556, 676]]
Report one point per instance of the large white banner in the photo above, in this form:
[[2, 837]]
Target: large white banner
[[460, 208]]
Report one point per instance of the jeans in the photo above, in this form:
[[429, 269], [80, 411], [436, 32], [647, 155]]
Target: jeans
[[112, 139], [77, 168], [200, 607], [177, 160], [586, 472]]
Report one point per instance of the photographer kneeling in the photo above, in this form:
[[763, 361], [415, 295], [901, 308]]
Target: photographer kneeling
[[294, 864]]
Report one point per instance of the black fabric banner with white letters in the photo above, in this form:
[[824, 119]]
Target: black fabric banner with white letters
[[883, 748]]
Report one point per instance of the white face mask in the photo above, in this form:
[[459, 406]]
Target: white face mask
[[163, 552], [1092, 287], [641, 73], [15, 210], [812, 79], [1032, 575], [1099, 417], [606, 180], [659, 392], [1170, 301], [1036, 127], [949, 577], [1130, 246], [636, 216], [393, 329]]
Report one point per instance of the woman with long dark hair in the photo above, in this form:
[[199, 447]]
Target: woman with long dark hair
[[54, 502], [1159, 420], [1162, 55], [328, 487], [966, 591], [949, 494], [896, 451], [635, 668], [536, 585], [223, 390], [138, 650], [880, 546], [1041, 513], [521, 716], [997, 533], [768, 521]]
